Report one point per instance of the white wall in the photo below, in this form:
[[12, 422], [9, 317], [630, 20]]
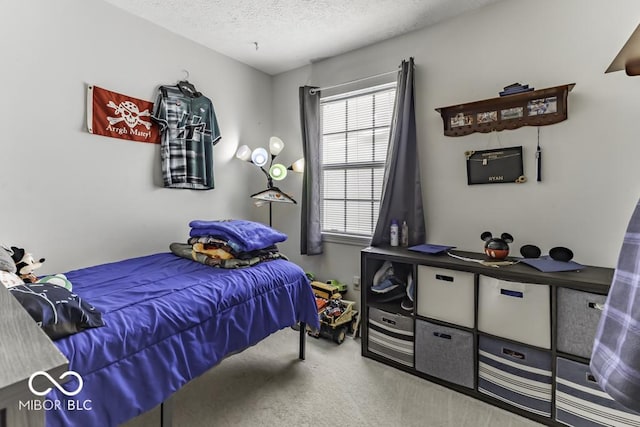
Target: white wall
[[590, 174], [78, 199]]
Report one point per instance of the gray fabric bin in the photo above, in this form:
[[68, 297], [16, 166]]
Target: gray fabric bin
[[445, 353], [391, 336], [578, 316]]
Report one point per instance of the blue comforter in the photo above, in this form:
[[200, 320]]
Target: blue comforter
[[168, 320]]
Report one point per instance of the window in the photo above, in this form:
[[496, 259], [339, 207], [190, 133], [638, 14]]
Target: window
[[355, 136]]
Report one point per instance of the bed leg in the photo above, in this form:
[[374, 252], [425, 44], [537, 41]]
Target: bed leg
[[166, 412], [303, 334]]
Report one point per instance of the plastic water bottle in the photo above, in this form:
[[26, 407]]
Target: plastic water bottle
[[394, 232], [404, 235]]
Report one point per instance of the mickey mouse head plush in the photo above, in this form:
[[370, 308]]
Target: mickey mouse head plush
[[26, 264], [496, 247]]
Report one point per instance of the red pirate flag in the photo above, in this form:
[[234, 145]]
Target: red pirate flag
[[120, 116]]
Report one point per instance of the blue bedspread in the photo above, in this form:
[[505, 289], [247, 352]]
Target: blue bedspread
[[168, 320]]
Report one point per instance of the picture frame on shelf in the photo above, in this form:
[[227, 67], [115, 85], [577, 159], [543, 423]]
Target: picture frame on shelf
[[487, 117], [511, 113], [536, 107], [461, 119]]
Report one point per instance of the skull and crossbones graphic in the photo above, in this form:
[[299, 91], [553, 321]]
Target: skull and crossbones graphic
[[129, 113]]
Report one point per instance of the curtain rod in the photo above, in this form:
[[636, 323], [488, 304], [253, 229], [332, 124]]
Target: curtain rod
[[314, 90]]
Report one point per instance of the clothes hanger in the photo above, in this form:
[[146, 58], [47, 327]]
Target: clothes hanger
[[187, 87], [273, 194]]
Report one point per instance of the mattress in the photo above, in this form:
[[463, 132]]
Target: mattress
[[167, 321]]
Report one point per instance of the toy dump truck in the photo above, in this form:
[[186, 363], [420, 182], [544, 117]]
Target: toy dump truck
[[337, 316], [337, 319]]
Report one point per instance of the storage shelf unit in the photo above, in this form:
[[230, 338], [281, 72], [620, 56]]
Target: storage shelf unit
[[527, 330]]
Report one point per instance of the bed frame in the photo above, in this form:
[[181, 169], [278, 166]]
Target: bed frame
[[166, 407]]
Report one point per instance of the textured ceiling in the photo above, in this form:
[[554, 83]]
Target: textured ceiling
[[291, 33]]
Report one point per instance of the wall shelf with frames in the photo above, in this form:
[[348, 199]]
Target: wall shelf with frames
[[534, 108]]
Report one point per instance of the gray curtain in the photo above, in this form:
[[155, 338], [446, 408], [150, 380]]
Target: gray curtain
[[310, 227], [401, 189]]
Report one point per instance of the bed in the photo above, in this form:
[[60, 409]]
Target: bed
[[168, 320]]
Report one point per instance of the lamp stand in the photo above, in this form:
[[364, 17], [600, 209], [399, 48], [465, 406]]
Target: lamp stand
[[272, 193]]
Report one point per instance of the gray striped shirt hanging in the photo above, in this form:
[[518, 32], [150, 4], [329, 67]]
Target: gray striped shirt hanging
[[189, 130]]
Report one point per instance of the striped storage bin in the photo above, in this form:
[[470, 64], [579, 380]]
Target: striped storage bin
[[445, 353], [581, 402], [391, 336], [446, 295], [578, 316], [518, 375]]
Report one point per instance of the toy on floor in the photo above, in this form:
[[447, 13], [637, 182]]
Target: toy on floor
[[337, 318], [325, 290], [341, 287]]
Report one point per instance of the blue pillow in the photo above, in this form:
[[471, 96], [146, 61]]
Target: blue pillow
[[58, 311], [242, 235]]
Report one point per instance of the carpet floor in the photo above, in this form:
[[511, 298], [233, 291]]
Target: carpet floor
[[266, 385]]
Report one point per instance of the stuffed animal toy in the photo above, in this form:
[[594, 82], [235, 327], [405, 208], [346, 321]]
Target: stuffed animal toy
[[8, 276], [25, 264]]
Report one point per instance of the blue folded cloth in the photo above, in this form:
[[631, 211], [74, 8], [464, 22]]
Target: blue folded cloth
[[430, 249], [548, 265], [242, 234]]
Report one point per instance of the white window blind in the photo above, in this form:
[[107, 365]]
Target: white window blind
[[355, 136]]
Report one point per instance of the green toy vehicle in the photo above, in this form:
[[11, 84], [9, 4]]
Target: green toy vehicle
[[341, 287]]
